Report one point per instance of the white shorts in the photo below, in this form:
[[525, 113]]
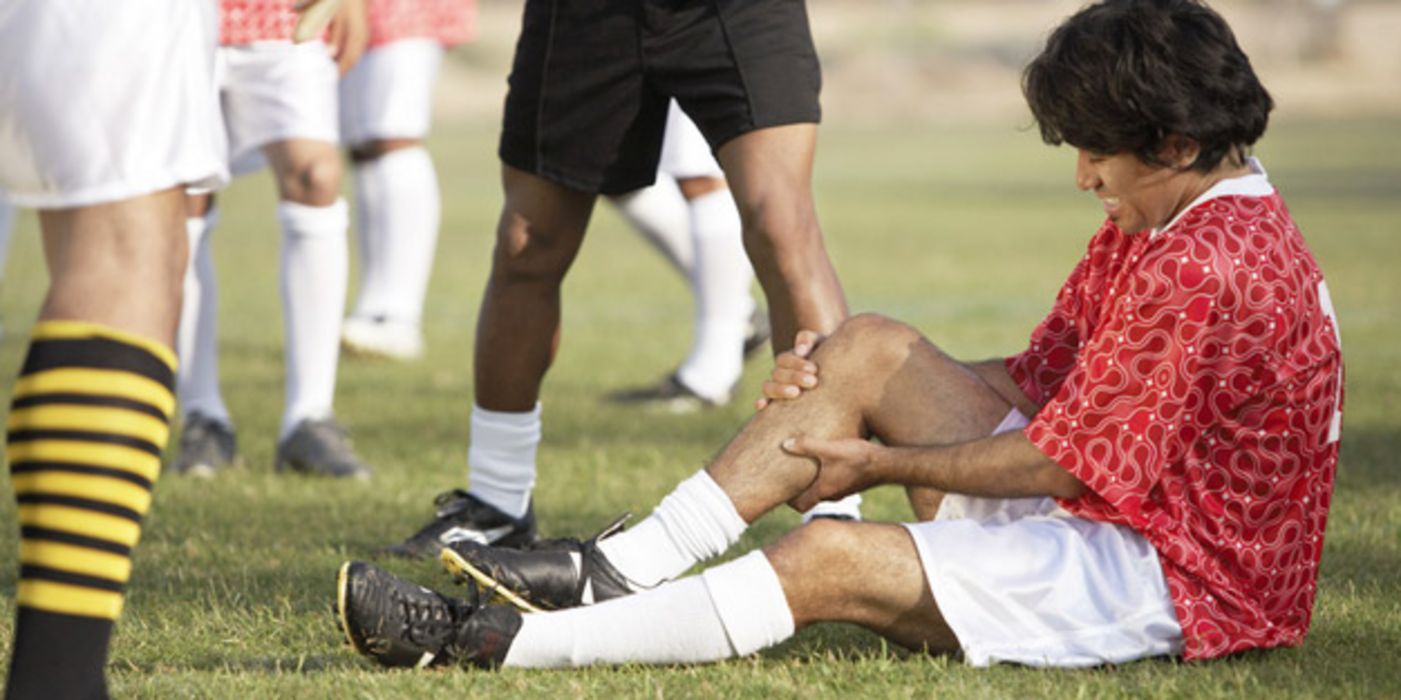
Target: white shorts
[[273, 91], [389, 93], [104, 101], [1021, 580], [685, 152]]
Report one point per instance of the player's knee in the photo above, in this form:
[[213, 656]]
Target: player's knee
[[528, 254], [869, 343], [316, 182]]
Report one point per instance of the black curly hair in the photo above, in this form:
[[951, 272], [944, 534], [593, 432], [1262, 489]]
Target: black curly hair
[[1124, 75]]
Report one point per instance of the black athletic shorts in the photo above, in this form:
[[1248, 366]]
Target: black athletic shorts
[[591, 80]]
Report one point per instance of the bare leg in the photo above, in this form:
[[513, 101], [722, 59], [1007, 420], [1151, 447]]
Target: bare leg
[[879, 377], [542, 226], [770, 173], [867, 574], [121, 264]]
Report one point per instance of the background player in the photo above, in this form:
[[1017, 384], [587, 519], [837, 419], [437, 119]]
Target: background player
[[386, 104], [279, 107], [91, 407]]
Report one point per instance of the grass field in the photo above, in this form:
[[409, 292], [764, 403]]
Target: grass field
[[965, 233]]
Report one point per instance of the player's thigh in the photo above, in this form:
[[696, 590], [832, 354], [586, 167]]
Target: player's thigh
[[863, 573], [579, 111]]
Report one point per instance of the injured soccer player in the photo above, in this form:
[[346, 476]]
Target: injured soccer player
[[1149, 477]]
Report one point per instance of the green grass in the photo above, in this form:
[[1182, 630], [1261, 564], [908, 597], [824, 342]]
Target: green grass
[[966, 233]]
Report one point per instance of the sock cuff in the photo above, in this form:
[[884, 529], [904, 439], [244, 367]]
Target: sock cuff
[[496, 431], [748, 597], [87, 344], [701, 489], [308, 220]]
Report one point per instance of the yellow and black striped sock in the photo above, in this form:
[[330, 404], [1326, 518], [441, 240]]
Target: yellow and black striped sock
[[90, 415]]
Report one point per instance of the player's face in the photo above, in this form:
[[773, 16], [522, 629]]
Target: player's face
[[1136, 196]]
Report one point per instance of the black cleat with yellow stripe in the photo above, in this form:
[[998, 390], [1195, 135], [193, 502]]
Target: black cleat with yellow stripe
[[89, 417]]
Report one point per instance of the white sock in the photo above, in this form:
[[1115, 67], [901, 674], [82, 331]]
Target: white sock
[[313, 276], [399, 210], [721, 280], [848, 508], [659, 213], [501, 460], [197, 384], [734, 609], [695, 522]]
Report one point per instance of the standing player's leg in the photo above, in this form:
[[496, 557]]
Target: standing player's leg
[[91, 407], [314, 274], [207, 438], [770, 173], [279, 102], [386, 105]]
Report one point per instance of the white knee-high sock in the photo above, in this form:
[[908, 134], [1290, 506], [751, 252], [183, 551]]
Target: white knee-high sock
[[313, 281], [399, 211], [721, 279], [732, 610], [197, 383], [501, 460], [695, 522], [659, 213]]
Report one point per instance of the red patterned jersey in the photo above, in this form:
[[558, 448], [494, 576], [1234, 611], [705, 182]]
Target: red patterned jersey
[[451, 22], [246, 21], [1192, 379]]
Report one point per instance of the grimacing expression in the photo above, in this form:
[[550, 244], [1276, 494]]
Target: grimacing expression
[[1137, 196]]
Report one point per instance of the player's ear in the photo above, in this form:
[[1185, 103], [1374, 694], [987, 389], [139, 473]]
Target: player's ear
[[1179, 152]]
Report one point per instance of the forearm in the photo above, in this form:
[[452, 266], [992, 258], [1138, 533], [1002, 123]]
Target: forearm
[[1001, 466]]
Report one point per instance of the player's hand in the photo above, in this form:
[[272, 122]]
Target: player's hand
[[792, 372], [844, 467], [348, 34]]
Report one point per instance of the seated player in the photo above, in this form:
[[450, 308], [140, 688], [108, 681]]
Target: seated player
[[1151, 476]]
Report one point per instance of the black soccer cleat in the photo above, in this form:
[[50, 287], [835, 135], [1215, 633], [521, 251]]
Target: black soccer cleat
[[670, 394], [399, 624], [548, 575], [462, 517]]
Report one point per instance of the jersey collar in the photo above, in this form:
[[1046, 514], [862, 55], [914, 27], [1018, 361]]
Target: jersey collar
[[1254, 184]]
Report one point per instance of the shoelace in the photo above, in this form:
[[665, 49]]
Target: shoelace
[[430, 621]]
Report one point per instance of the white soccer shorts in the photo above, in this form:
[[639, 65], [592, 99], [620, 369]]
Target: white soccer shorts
[[1021, 580], [389, 93], [274, 91], [103, 101]]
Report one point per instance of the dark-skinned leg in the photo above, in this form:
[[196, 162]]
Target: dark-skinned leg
[[541, 228], [770, 173]]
